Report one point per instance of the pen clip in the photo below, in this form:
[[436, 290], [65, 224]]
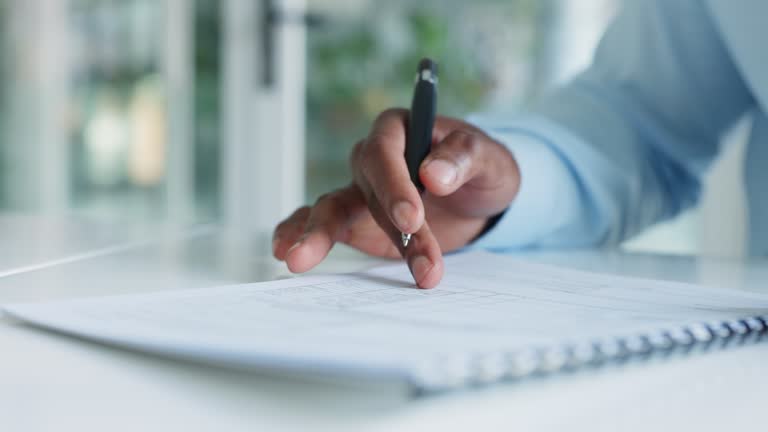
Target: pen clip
[[425, 75]]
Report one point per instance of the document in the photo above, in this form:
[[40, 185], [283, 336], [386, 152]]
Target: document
[[377, 324]]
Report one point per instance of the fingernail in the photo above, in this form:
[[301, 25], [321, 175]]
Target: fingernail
[[442, 170], [420, 266], [403, 212], [295, 245]]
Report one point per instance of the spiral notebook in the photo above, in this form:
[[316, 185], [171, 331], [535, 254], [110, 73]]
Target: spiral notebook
[[492, 318]]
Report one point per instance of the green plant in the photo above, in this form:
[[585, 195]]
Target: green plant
[[353, 75]]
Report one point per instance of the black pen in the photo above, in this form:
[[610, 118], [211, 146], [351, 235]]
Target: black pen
[[421, 121]]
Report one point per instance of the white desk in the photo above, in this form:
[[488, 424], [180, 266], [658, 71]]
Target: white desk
[[50, 382], [32, 242]]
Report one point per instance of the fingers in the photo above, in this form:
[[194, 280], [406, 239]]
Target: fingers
[[468, 176], [305, 238], [288, 232], [463, 157], [324, 225], [424, 257], [423, 254], [381, 172], [394, 202]]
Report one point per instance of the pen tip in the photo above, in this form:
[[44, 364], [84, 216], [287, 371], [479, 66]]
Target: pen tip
[[405, 238]]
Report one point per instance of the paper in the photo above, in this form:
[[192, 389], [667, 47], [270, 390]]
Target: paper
[[377, 324]]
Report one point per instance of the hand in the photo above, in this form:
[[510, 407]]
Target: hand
[[468, 178]]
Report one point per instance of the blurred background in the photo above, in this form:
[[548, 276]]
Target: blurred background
[[237, 111]]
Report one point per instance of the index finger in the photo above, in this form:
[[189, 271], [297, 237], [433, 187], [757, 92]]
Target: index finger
[[380, 169]]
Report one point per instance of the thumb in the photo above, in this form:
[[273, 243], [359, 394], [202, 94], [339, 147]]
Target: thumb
[[469, 158]]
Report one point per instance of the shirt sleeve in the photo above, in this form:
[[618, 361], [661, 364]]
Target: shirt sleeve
[[624, 145], [548, 199]]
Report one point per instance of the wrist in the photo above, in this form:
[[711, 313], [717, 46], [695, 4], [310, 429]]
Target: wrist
[[489, 224]]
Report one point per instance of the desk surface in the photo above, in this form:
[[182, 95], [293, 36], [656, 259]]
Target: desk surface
[[31, 242], [52, 382]]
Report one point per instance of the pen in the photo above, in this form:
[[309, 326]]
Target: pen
[[421, 120]]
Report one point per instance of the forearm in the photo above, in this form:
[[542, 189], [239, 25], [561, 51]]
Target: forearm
[[624, 145]]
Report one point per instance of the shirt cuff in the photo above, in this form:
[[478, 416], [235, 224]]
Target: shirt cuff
[[547, 198]]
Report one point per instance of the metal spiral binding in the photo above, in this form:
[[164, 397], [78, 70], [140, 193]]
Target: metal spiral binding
[[486, 368]]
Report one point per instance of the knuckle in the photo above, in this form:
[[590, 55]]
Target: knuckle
[[470, 144], [386, 126], [325, 199], [300, 215], [294, 218], [355, 154], [379, 141], [461, 146], [282, 226], [300, 211], [332, 206], [396, 112], [374, 153]]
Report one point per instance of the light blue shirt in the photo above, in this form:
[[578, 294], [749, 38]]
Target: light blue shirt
[[626, 143]]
